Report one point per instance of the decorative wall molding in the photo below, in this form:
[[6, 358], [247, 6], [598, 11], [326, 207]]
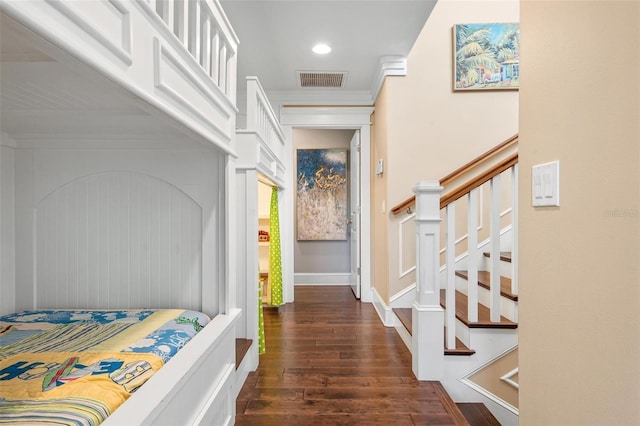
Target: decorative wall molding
[[401, 273], [404, 298], [507, 378], [121, 51], [164, 61], [484, 392]]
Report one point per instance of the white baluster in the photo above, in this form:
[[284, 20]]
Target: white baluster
[[472, 258], [494, 301], [450, 313], [205, 48], [427, 317], [194, 29], [222, 72], [514, 233], [215, 55], [182, 21]]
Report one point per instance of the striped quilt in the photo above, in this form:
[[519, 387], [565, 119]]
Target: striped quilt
[[75, 367]]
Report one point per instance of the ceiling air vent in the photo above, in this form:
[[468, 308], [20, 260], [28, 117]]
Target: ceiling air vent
[[322, 79]]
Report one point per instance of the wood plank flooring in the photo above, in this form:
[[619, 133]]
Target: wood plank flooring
[[330, 361]]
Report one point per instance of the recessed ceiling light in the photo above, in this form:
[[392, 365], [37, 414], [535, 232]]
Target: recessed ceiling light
[[321, 49]]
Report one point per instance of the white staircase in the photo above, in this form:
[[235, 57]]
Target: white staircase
[[463, 323]]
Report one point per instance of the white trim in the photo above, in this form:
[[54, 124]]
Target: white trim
[[484, 392], [122, 52], [384, 311], [400, 245], [356, 118], [335, 278], [162, 55], [507, 378], [389, 65], [404, 298]]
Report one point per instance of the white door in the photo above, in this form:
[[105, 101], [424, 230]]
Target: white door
[[354, 173]]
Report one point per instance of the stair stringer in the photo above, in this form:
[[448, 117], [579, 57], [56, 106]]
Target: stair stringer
[[489, 344]]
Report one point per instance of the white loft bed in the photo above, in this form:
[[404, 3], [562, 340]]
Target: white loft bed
[[117, 130], [261, 151]]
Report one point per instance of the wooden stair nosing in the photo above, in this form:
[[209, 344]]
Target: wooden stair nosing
[[405, 317], [242, 347], [484, 280], [461, 348], [505, 256], [477, 413], [484, 315]]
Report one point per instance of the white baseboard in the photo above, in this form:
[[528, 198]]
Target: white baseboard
[[404, 298], [322, 279], [384, 311]]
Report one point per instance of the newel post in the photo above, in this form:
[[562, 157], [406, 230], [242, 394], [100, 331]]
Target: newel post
[[428, 316]]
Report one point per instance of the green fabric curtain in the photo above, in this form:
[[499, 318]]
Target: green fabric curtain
[[261, 343], [275, 260]]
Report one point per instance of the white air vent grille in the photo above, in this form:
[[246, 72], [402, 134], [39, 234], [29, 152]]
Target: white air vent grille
[[322, 79]]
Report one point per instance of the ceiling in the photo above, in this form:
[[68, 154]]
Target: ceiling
[[276, 37]]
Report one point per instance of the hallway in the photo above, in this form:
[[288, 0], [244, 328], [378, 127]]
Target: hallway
[[330, 361]]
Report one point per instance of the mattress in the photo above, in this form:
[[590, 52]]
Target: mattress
[[75, 367]]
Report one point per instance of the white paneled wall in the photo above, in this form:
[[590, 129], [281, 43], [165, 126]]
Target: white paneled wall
[[7, 230], [101, 228], [120, 234]]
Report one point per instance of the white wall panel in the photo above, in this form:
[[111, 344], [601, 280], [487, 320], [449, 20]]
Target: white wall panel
[[7, 230], [119, 228], [132, 232]]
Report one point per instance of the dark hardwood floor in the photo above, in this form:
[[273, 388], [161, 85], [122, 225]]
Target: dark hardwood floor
[[330, 361]]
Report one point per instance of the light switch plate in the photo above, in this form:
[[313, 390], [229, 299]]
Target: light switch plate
[[545, 184]]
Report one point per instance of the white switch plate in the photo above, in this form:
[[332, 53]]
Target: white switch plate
[[545, 184]]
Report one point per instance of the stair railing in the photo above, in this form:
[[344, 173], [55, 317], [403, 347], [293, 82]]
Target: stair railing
[[464, 184]]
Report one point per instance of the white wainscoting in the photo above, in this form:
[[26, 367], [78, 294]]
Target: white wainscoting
[[119, 228], [108, 240], [7, 228]]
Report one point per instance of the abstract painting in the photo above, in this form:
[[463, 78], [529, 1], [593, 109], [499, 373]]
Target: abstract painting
[[486, 56], [322, 194]]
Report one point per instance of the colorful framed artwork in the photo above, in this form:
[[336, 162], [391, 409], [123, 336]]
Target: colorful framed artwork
[[486, 56], [321, 206]]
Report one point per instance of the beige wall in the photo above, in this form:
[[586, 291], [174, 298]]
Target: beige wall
[[432, 130], [579, 276], [379, 251]]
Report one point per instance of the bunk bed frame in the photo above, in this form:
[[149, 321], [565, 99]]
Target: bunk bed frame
[[122, 187]]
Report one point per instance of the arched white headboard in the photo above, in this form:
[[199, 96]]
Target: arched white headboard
[[118, 239]]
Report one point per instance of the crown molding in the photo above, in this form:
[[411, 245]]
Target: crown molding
[[388, 66]]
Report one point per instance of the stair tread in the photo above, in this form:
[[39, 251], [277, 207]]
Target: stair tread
[[461, 348], [484, 315], [242, 347], [405, 317], [505, 256], [477, 414], [484, 280]]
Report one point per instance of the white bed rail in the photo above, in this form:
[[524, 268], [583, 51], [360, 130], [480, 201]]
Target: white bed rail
[[177, 58], [265, 143], [205, 32], [194, 387]]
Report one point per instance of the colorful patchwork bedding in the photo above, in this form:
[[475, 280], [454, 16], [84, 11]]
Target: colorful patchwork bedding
[[75, 367]]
